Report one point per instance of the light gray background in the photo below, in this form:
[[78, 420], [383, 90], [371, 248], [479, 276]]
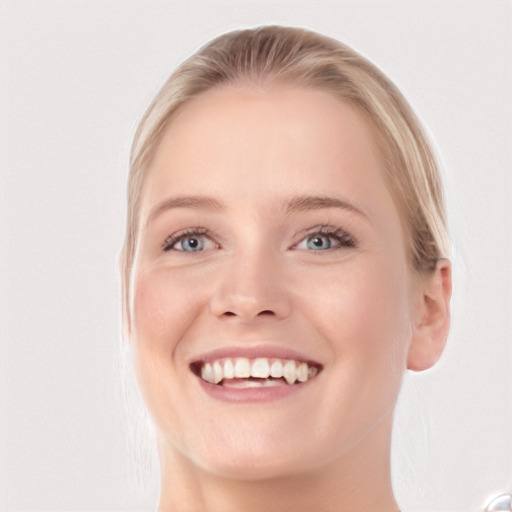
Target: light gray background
[[75, 77]]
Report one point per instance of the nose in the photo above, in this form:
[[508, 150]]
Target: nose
[[250, 287]]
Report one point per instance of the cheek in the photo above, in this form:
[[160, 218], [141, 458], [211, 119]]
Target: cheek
[[364, 316], [367, 327], [152, 308], [162, 306], [361, 300], [162, 310]]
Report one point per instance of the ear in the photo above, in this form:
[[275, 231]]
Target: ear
[[431, 318]]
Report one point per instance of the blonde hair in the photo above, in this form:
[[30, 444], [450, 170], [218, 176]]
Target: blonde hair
[[273, 54]]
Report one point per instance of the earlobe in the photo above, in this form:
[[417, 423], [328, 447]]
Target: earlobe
[[432, 319]]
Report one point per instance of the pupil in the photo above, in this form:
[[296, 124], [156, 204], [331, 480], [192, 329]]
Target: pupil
[[319, 242], [193, 243]]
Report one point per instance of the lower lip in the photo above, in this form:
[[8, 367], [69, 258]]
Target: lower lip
[[252, 395]]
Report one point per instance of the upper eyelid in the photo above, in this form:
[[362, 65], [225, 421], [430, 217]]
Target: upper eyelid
[[326, 230], [174, 238], [323, 229]]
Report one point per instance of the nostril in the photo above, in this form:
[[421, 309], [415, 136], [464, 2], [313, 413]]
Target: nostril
[[266, 312]]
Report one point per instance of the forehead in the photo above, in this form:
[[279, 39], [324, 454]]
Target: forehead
[[243, 145]]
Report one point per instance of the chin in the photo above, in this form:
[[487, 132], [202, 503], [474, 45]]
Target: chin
[[254, 458], [256, 468]]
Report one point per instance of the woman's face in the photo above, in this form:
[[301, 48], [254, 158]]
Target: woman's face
[[268, 236]]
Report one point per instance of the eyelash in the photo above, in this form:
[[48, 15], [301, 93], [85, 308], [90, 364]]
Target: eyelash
[[173, 239], [340, 236]]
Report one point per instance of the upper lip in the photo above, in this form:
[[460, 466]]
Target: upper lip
[[253, 352]]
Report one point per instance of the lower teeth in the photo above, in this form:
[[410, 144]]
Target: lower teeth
[[252, 383]]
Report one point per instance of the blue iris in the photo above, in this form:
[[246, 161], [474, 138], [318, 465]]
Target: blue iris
[[318, 242], [192, 243]]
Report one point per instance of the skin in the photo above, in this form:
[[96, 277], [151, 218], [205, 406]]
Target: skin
[[257, 283]]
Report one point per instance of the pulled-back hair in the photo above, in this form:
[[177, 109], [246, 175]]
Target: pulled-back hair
[[268, 55]]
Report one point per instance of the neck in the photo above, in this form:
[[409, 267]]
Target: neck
[[359, 481]]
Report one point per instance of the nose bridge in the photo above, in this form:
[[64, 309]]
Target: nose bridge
[[250, 285]]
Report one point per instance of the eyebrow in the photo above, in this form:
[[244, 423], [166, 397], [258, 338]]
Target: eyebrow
[[305, 203], [200, 202], [296, 204]]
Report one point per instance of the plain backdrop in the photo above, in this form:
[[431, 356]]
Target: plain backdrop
[[75, 78]]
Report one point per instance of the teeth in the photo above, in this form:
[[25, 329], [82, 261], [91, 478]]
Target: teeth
[[290, 372], [302, 372], [270, 383], [217, 372], [276, 370], [249, 384], [229, 369], [243, 383], [242, 368], [261, 368], [207, 373]]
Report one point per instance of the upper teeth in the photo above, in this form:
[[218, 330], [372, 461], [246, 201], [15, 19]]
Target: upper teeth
[[262, 367]]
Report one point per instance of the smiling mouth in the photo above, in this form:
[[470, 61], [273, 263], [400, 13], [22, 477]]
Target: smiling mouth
[[242, 372]]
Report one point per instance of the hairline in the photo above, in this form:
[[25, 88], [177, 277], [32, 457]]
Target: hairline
[[355, 81]]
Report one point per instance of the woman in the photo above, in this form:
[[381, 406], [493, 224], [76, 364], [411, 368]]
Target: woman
[[285, 262]]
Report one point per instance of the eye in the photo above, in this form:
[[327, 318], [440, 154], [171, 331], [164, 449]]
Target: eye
[[194, 240], [319, 242], [325, 238]]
